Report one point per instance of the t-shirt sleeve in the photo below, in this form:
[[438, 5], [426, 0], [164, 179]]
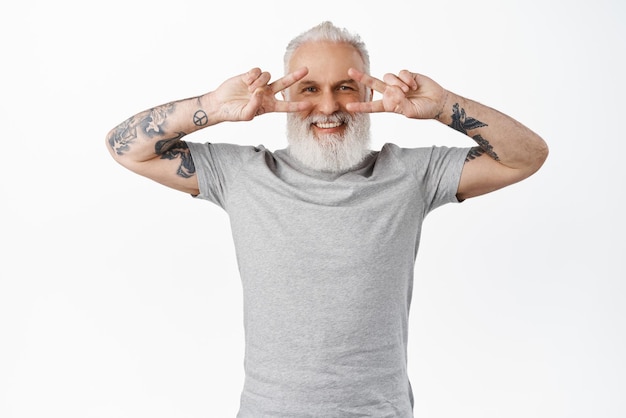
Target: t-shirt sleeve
[[438, 172], [216, 167]]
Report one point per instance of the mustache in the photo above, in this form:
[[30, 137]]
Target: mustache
[[338, 117]]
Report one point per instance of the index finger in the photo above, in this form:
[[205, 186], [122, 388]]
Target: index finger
[[367, 80], [289, 79], [375, 106]]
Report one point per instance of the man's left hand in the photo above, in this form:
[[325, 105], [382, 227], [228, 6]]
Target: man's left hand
[[412, 95]]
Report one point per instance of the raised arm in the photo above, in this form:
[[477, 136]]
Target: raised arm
[[150, 142], [506, 151]]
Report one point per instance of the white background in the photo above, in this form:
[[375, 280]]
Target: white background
[[121, 298]]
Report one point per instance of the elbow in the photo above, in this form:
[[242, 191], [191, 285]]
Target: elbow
[[112, 144], [115, 142], [118, 143], [541, 153], [117, 149], [537, 156]]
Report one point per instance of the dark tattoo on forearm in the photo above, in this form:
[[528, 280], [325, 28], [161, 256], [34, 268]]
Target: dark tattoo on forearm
[[123, 135], [463, 123], [173, 148], [149, 122], [153, 123]]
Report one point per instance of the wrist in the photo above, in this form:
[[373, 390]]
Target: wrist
[[204, 111], [444, 112]]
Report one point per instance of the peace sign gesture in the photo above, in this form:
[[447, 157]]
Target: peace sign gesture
[[409, 94], [243, 97]]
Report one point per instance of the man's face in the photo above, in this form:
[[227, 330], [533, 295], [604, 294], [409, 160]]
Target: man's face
[[327, 85], [327, 137]]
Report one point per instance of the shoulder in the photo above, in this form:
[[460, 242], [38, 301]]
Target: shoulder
[[219, 166], [424, 155], [224, 149], [224, 155]]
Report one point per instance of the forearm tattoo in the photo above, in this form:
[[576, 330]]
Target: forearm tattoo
[[200, 118], [463, 123], [151, 124], [123, 136]]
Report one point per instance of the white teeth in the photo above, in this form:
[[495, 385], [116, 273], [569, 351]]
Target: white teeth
[[328, 125]]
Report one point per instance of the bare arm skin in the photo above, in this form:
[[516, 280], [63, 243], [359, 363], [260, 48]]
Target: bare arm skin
[[506, 151], [150, 142]]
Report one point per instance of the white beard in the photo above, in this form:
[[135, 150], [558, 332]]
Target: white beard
[[333, 152]]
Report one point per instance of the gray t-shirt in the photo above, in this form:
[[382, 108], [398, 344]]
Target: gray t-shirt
[[326, 263]]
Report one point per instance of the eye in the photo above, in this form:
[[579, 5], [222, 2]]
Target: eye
[[346, 88], [309, 89]]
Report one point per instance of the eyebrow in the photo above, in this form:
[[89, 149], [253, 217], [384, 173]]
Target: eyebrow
[[312, 82]]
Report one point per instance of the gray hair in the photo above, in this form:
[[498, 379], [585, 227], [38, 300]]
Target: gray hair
[[326, 31]]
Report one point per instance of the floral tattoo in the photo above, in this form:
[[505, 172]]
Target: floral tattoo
[[150, 123]]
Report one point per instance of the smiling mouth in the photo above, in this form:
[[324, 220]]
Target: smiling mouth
[[328, 125]]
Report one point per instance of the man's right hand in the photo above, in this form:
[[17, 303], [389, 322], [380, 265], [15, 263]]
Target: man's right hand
[[243, 97]]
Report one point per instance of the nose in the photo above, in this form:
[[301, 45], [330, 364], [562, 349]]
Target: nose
[[328, 103]]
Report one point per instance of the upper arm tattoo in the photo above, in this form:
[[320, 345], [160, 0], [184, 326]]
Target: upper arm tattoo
[[474, 152], [462, 123], [170, 149]]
